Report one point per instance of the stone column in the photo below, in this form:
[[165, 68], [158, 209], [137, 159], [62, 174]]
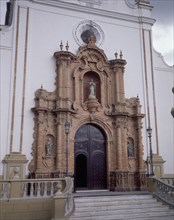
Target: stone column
[[59, 77], [140, 147], [124, 148], [58, 147], [40, 141], [63, 61], [118, 69], [119, 153]]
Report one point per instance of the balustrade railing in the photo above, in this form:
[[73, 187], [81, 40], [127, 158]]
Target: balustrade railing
[[59, 189], [31, 188], [169, 181], [164, 190]]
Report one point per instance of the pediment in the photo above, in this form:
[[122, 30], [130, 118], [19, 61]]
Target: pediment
[[92, 54]]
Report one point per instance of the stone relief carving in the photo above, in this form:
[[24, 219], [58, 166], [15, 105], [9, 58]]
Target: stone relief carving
[[14, 173]]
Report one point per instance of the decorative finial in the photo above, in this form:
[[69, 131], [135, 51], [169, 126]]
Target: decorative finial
[[61, 46], [121, 54], [41, 86], [67, 46], [116, 55], [137, 96]]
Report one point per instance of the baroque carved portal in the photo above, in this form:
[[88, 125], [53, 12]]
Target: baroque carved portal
[[89, 93]]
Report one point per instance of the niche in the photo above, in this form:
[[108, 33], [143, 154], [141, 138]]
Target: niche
[[88, 77]]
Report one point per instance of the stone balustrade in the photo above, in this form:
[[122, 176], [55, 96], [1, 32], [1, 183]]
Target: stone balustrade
[[31, 188], [169, 181], [58, 189], [164, 190]]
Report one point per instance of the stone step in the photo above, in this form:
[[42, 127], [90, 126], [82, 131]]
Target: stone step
[[131, 207], [118, 198], [128, 211], [120, 207], [114, 216], [103, 201]]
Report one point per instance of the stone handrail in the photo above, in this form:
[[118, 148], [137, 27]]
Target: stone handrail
[[69, 206], [164, 191], [169, 180]]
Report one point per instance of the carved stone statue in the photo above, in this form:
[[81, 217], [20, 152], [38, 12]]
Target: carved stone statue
[[49, 147], [92, 89]]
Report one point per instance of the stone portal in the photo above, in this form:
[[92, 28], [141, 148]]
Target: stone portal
[[105, 127]]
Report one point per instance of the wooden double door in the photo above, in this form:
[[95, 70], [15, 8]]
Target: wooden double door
[[90, 158]]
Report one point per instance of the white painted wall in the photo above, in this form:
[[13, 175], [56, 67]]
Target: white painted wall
[[164, 81], [48, 25]]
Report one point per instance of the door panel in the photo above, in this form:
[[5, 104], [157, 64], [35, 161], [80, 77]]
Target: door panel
[[81, 170], [90, 141]]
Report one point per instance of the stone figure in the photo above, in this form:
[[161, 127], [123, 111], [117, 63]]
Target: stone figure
[[49, 147], [92, 89], [14, 173]]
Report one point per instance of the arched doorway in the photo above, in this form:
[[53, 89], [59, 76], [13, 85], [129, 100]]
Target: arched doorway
[[90, 158]]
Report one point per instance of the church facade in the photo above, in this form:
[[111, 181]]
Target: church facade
[[81, 86]]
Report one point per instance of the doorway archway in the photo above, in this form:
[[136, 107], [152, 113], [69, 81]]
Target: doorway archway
[[90, 158]]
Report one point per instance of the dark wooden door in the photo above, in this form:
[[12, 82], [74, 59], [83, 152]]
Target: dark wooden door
[[90, 158]]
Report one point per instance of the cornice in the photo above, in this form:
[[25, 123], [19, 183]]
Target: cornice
[[95, 11]]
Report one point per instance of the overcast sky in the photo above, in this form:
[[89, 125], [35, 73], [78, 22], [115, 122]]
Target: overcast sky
[[163, 29]]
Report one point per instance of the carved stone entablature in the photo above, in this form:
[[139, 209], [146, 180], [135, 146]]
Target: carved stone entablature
[[133, 106], [64, 56], [118, 64]]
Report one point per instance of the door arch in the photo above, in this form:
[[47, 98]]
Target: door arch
[[90, 157]]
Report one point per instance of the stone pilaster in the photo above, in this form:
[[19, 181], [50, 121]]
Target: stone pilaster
[[118, 69], [63, 61], [58, 148], [118, 153], [140, 147], [40, 141]]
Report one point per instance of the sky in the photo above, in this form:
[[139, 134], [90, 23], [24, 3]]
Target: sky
[[163, 29]]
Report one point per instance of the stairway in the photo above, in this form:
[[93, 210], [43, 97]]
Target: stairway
[[117, 206]]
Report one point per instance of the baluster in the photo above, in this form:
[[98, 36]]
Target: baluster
[[52, 188], [25, 188], [32, 190], [45, 189], [39, 189]]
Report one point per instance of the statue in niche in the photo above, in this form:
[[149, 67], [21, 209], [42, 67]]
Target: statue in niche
[[49, 147], [130, 148], [92, 89]]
